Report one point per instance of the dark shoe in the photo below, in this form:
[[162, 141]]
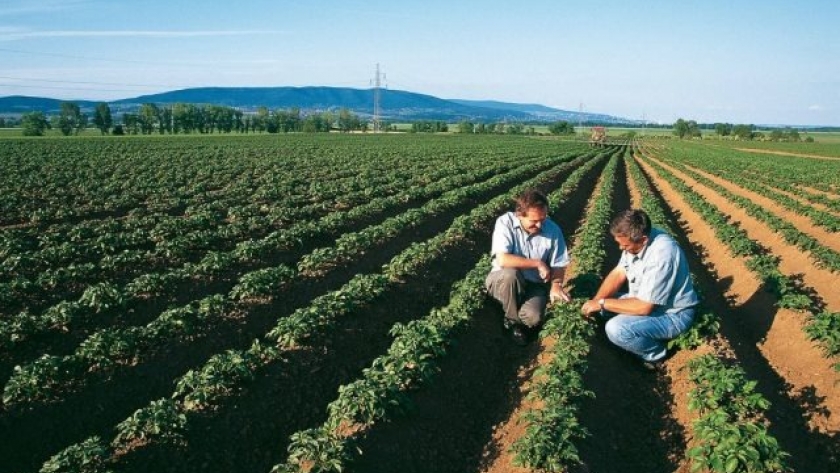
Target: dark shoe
[[657, 366], [518, 335]]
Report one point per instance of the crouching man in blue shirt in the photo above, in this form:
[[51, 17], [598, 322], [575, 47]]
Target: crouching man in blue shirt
[[529, 263], [661, 299]]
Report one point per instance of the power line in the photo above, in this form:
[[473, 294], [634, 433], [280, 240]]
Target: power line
[[53, 87], [90, 58], [32, 79]]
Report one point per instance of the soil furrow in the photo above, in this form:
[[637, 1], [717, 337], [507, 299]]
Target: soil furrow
[[106, 401], [804, 224], [793, 261], [478, 386], [801, 387]]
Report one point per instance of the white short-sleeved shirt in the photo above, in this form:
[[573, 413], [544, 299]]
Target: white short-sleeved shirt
[[547, 245], [659, 274]]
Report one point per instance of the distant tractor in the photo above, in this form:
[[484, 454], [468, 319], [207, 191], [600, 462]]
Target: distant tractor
[[598, 137]]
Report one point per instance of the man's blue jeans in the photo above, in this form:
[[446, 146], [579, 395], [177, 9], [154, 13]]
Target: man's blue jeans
[[647, 335]]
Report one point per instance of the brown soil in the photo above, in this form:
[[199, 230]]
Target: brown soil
[[803, 201], [635, 195], [465, 418], [821, 192], [681, 386], [793, 261], [637, 433], [28, 434], [803, 223], [769, 343], [499, 457], [785, 153]]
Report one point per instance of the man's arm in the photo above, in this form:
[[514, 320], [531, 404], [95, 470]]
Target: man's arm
[[609, 287], [508, 260], [612, 283], [628, 306]]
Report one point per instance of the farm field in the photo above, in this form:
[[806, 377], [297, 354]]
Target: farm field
[[826, 146], [315, 303]]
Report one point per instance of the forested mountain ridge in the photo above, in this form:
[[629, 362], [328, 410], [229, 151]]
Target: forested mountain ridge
[[394, 104]]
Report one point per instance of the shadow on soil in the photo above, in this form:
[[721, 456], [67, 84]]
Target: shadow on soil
[[745, 327], [630, 421], [28, 435]]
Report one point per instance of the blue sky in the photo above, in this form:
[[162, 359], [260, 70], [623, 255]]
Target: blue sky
[[768, 62]]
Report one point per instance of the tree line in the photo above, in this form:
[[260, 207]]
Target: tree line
[[690, 129], [184, 118], [557, 128]]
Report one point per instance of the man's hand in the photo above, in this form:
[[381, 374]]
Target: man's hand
[[589, 307], [544, 271], [559, 295]]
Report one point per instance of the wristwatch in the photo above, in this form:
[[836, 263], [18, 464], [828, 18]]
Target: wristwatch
[[601, 303]]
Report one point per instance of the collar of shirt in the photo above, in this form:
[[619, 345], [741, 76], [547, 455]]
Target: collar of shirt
[[641, 255]]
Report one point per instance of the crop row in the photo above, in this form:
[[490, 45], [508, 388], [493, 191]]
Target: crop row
[[753, 173], [28, 251], [823, 256], [207, 385], [411, 360], [820, 218], [109, 348], [806, 172], [108, 297], [177, 241], [557, 386], [56, 180], [62, 181], [781, 184], [731, 434], [823, 326], [733, 174]]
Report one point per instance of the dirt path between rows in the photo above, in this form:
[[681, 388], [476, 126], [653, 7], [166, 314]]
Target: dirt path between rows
[[479, 385], [786, 153], [778, 333], [793, 261], [513, 428], [814, 190], [635, 195], [628, 433], [801, 200], [677, 371], [803, 223]]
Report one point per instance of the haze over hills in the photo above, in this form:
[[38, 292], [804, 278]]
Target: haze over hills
[[543, 111], [395, 104]]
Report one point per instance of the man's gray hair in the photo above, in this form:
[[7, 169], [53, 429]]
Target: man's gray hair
[[632, 223]]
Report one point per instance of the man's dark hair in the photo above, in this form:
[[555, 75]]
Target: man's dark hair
[[530, 199], [631, 223]]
